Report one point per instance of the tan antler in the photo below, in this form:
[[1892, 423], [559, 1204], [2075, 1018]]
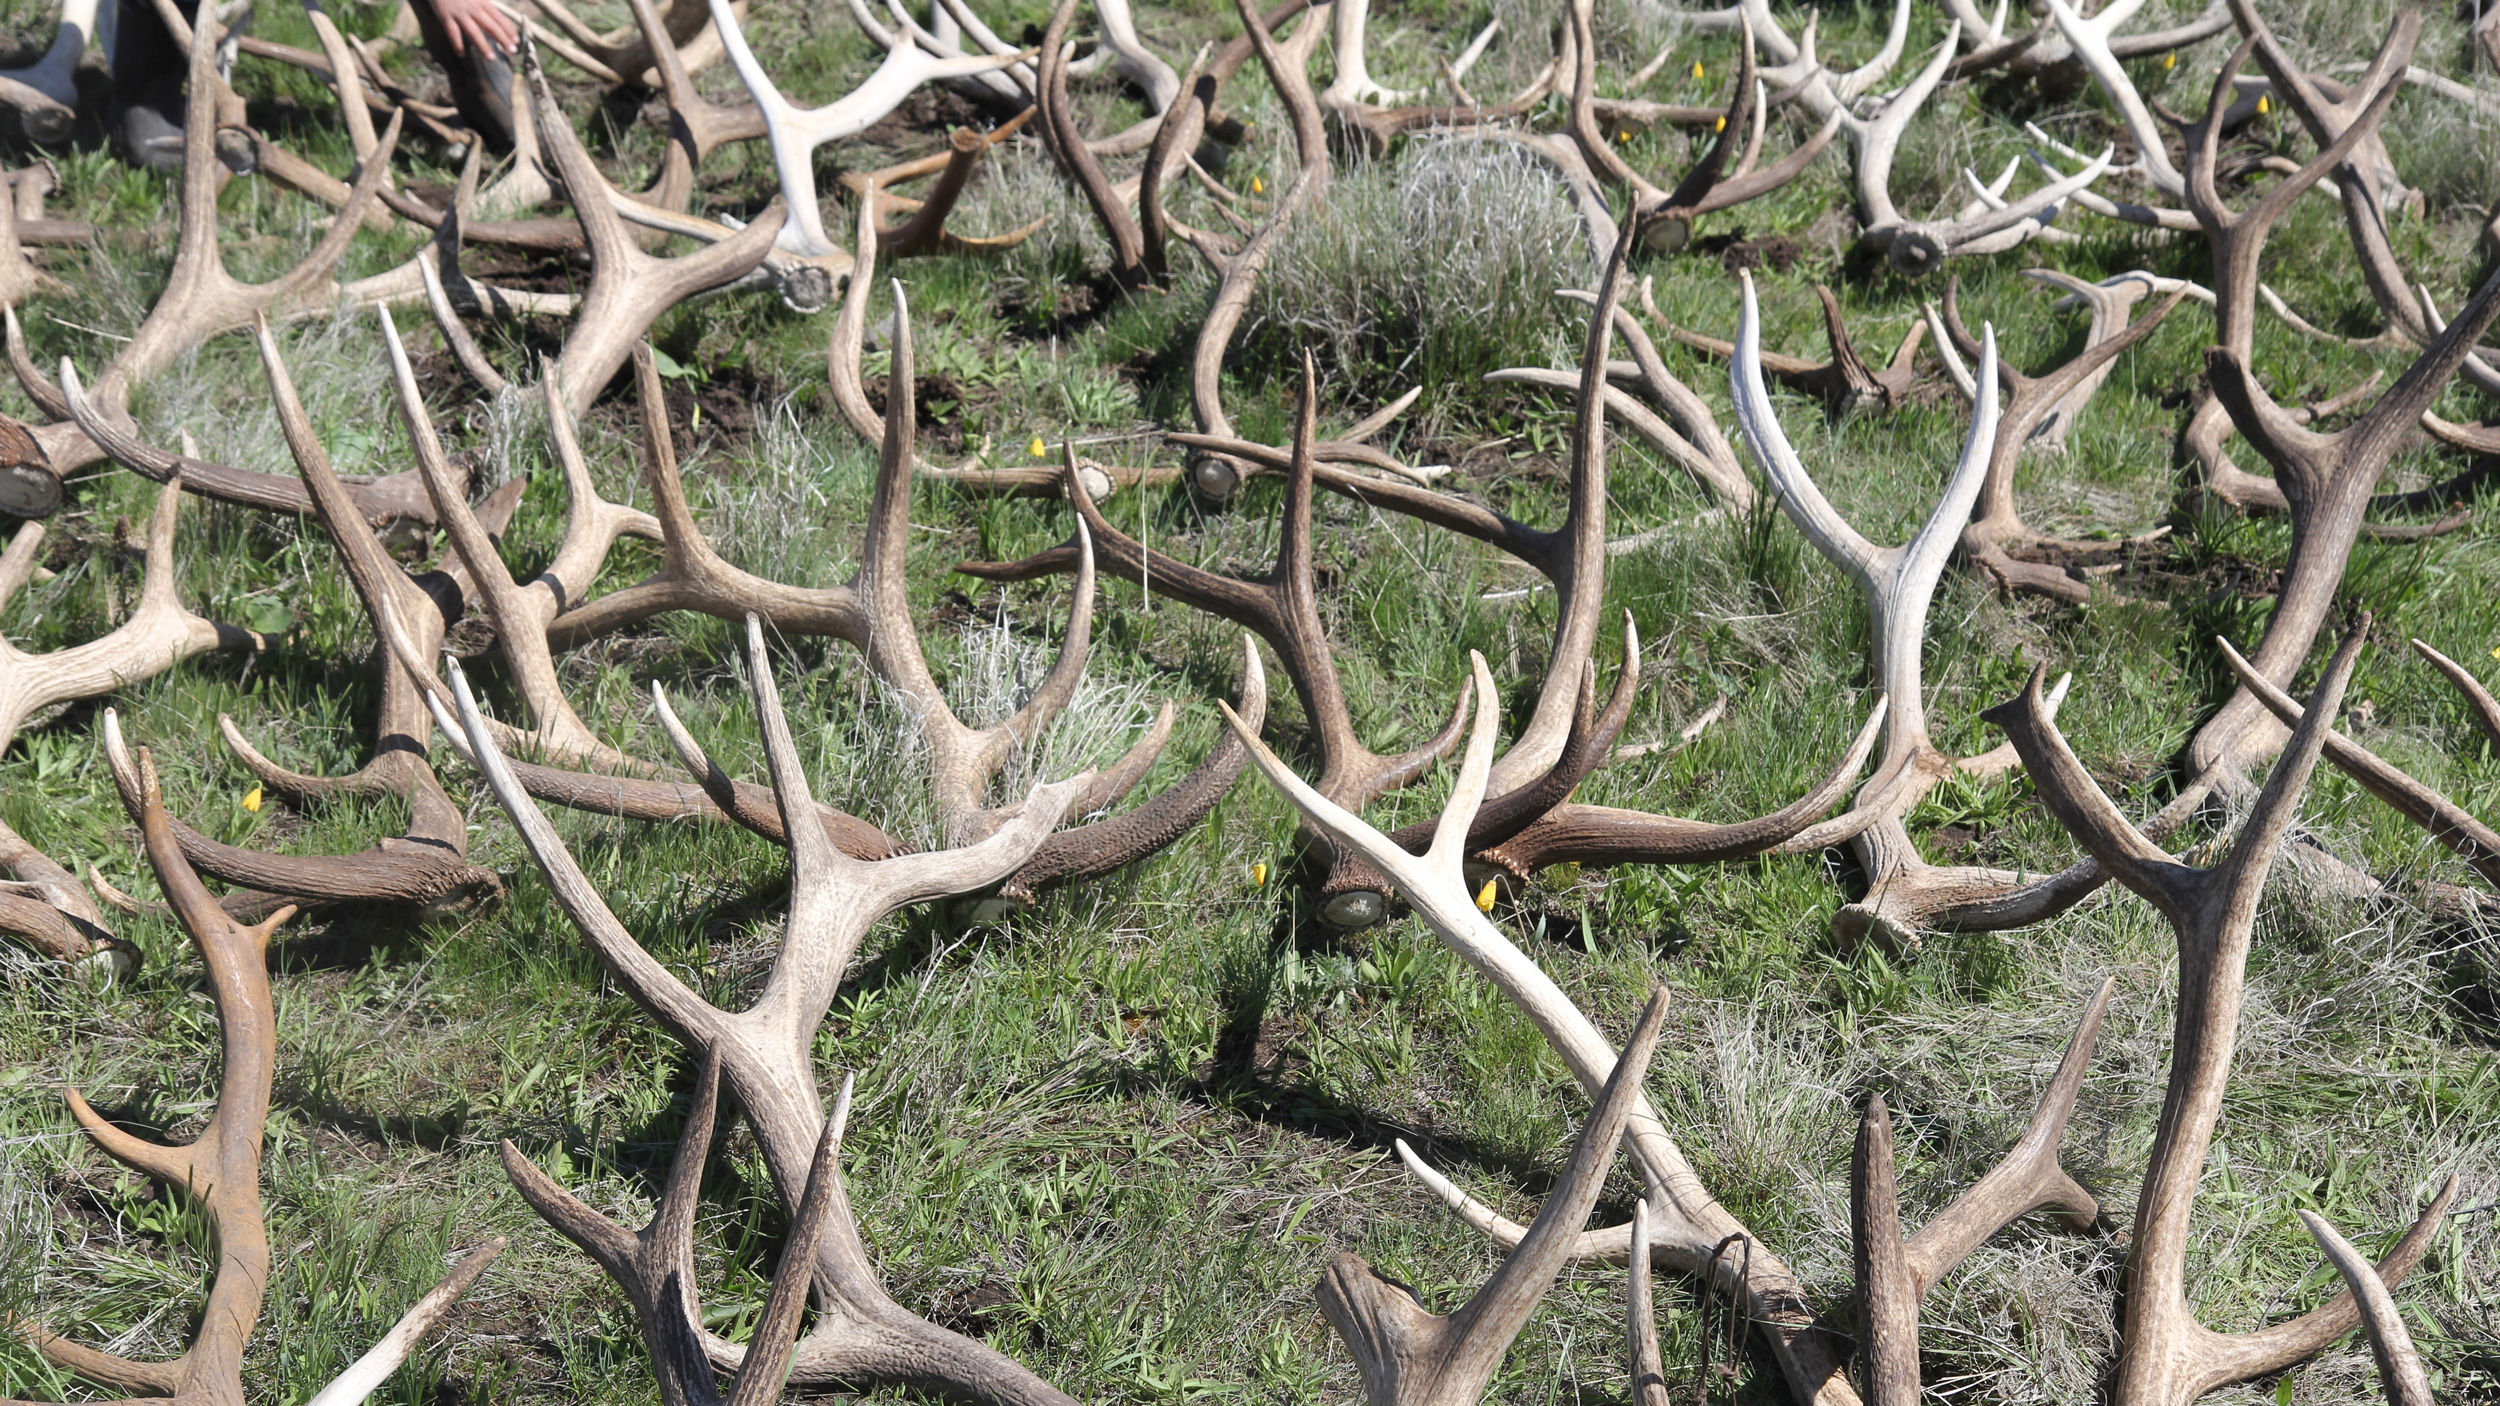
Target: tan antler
[[1411, 1356], [200, 299], [629, 289], [2167, 1357], [863, 1336], [48, 907], [219, 1171], [1697, 1235], [1904, 894], [655, 1265]]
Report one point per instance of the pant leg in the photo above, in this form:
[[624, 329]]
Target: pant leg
[[481, 83], [148, 66]]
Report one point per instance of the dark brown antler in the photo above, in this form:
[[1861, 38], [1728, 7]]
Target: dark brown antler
[[1411, 1356], [862, 1336], [1282, 608], [2038, 412], [1845, 383], [1067, 146], [2167, 1357], [220, 1169], [655, 1265]]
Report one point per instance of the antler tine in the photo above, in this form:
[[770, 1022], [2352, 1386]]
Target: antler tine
[[2090, 42], [1067, 145], [520, 614], [697, 125], [2391, 1344], [2447, 822], [629, 289], [1649, 1373], [1845, 384], [220, 1169], [1887, 1290], [1410, 1356], [2484, 709], [1875, 140], [1699, 1234]]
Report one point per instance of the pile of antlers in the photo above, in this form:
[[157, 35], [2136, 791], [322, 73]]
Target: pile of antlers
[[1509, 816]]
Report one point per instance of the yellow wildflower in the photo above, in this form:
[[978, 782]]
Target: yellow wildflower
[[1721, 124], [1697, 70], [2170, 61], [1258, 875], [1484, 897], [2264, 105], [251, 800], [1257, 186], [1037, 449]]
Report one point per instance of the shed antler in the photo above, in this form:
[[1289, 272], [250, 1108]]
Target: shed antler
[[862, 1336], [57, 914], [1411, 1356], [1697, 1235], [219, 1170], [200, 299], [2167, 1357], [1904, 894]]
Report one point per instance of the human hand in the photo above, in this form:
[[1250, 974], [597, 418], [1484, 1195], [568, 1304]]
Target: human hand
[[481, 22]]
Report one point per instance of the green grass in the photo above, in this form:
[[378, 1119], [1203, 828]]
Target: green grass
[[1119, 1136]]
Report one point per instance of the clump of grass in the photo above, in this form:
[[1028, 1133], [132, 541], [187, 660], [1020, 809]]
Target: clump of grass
[[1436, 266]]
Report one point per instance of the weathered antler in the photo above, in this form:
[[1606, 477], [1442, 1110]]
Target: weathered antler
[[219, 1171], [1411, 1356], [1697, 1234], [862, 1336], [2167, 1358]]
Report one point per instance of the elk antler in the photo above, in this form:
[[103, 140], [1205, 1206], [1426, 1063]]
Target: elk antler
[[1698, 1234], [1067, 146], [427, 863], [2038, 412], [1904, 894], [158, 635], [2446, 821], [1845, 384], [1411, 1356], [200, 299], [2327, 480], [862, 1336], [795, 133], [219, 1171], [2167, 1358], [655, 1265], [629, 289]]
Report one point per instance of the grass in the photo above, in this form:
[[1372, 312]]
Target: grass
[[1119, 1136]]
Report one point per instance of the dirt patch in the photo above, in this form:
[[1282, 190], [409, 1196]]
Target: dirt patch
[[1736, 253]]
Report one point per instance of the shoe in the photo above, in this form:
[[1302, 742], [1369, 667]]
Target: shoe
[[149, 139]]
